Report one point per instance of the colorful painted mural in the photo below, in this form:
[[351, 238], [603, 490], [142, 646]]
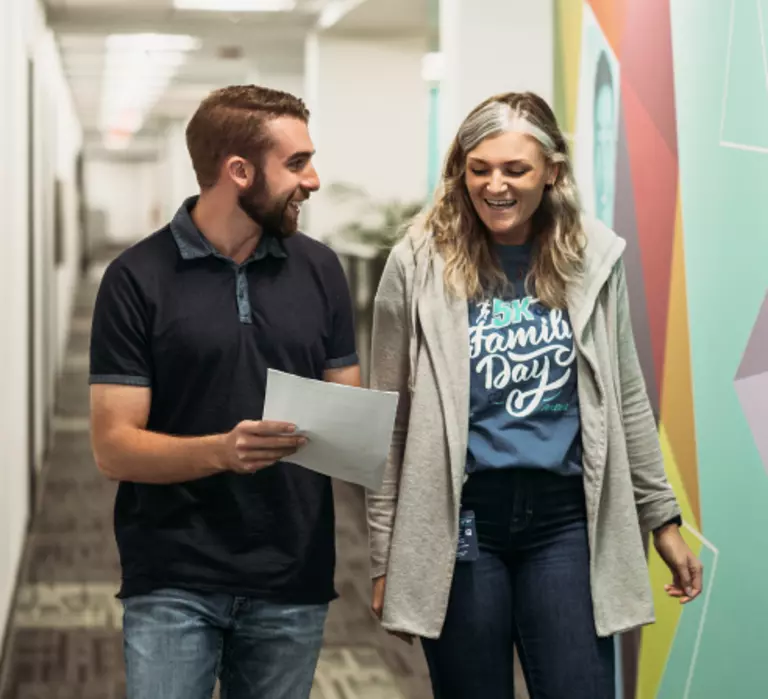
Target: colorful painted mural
[[666, 106]]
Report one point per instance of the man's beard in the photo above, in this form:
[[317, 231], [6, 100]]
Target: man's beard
[[273, 215]]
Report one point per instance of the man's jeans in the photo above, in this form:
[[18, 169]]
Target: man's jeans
[[177, 643]]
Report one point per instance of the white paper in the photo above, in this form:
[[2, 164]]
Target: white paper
[[349, 429]]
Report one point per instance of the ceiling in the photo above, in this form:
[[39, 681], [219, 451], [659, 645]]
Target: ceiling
[[232, 48], [385, 18]]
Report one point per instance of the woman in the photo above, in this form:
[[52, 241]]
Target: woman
[[524, 426]]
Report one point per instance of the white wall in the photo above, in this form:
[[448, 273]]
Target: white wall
[[57, 137], [369, 121], [176, 178], [13, 315], [68, 145], [63, 137], [492, 46], [130, 194]]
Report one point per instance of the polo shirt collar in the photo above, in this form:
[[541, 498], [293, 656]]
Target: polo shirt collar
[[193, 245]]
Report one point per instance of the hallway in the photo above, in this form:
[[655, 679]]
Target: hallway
[[65, 640], [662, 137]]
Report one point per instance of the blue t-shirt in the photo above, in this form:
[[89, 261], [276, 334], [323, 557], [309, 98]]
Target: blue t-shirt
[[524, 407]]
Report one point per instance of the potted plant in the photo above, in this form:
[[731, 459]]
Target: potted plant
[[376, 226]]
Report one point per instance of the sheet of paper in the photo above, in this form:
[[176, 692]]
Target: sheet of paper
[[349, 429]]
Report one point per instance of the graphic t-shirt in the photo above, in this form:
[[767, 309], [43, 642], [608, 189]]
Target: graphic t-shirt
[[524, 407]]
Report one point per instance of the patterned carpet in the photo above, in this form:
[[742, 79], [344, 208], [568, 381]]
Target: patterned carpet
[[65, 641]]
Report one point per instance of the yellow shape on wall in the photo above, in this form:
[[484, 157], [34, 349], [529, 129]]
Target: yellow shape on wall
[[657, 639], [567, 57]]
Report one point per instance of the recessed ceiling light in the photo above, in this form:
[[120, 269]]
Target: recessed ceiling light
[[236, 5], [137, 70]]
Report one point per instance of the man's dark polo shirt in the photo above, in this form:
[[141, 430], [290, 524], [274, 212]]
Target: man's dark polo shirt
[[174, 315]]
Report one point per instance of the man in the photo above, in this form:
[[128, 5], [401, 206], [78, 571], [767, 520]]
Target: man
[[227, 549]]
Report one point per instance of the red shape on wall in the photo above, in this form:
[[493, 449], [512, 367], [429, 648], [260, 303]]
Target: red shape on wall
[[654, 177], [646, 63]]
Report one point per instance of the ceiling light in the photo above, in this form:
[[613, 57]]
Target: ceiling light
[[236, 5], [137, 71]]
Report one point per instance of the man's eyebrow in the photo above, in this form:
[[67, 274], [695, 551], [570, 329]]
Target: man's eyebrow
[[300, 155]]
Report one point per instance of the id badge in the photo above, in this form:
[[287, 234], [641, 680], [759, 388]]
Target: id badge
[[467, 549]]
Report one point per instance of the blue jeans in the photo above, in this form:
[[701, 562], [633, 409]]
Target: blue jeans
[[529, 588], [177, 643]]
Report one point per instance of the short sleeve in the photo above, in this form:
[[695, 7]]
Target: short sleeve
[[120, 352], [340, 350]]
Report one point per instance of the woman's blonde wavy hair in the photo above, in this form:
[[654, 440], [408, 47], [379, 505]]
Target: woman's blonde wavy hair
[[458, 233]]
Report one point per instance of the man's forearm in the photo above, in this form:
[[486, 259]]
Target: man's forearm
[[141, 456]]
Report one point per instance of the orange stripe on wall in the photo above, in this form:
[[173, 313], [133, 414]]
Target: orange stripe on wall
[[677, 385], [612, 15]]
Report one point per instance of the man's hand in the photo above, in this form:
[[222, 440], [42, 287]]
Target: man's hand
[[256, 444], [685, 567]]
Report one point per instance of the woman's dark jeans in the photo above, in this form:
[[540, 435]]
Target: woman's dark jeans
[[529, 588]]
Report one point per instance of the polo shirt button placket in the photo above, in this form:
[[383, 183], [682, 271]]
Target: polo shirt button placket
[[243, 307]]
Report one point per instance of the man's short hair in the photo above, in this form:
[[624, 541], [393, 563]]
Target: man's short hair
[[231, 121]]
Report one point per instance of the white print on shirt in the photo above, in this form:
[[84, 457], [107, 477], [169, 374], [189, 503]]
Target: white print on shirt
[[519, 352]]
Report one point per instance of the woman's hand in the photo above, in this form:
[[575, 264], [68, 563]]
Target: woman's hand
[[686, 568], [377, 596], [377, 606]]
